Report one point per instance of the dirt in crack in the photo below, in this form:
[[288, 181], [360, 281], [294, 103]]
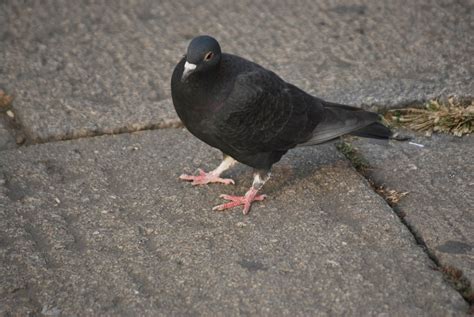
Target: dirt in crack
[[11, 131], [162, 124]]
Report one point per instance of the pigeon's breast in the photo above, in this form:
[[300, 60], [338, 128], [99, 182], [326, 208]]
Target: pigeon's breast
[[197, 103]]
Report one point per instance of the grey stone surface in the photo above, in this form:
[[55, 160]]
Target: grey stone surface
[[102, 226], [7, 138], [85, 68], [440, 180]]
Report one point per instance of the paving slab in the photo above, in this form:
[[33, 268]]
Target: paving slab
[[440, 180], [7, 139], [87, 68], [103, 226]]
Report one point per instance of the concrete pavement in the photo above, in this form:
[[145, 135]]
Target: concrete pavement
[[439, 179], [80, 69], [102, 226]]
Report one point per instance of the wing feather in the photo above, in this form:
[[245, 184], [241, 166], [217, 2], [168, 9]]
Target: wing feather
[[263, 113]]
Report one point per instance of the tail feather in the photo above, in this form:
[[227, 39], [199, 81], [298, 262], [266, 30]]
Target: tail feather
[[341, 119], [374, 130]]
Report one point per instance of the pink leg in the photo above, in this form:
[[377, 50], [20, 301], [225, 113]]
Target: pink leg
[[206, 178], [213, 176], [246, 200]]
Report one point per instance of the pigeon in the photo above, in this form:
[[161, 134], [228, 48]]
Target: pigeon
[[253, 116]]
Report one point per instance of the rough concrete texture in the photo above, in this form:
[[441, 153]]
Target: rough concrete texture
[[102, 226], [440, 180], [7, 138], [83, 68]]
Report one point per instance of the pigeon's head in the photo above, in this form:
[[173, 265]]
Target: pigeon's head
[[204, 54]]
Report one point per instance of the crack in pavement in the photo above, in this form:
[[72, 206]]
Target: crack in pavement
[[163, 124], [452, 275]]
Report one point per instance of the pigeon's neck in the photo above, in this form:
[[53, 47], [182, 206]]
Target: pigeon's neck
[[196, 100], [203, 92]]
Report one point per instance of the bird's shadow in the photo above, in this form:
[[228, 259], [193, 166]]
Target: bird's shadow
[[297, 167]]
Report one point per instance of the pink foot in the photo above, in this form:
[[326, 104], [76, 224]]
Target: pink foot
[[235, 201], [205, 178]]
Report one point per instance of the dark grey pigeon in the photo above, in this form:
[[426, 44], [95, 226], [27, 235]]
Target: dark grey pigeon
[[253, 116]]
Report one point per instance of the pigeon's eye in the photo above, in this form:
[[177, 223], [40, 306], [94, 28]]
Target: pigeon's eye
[[208, 56]]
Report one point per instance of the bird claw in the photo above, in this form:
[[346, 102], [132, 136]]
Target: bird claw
[[235, 201], [205, 178]]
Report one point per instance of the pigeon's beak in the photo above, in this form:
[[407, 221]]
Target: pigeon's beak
[[188, 69]]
